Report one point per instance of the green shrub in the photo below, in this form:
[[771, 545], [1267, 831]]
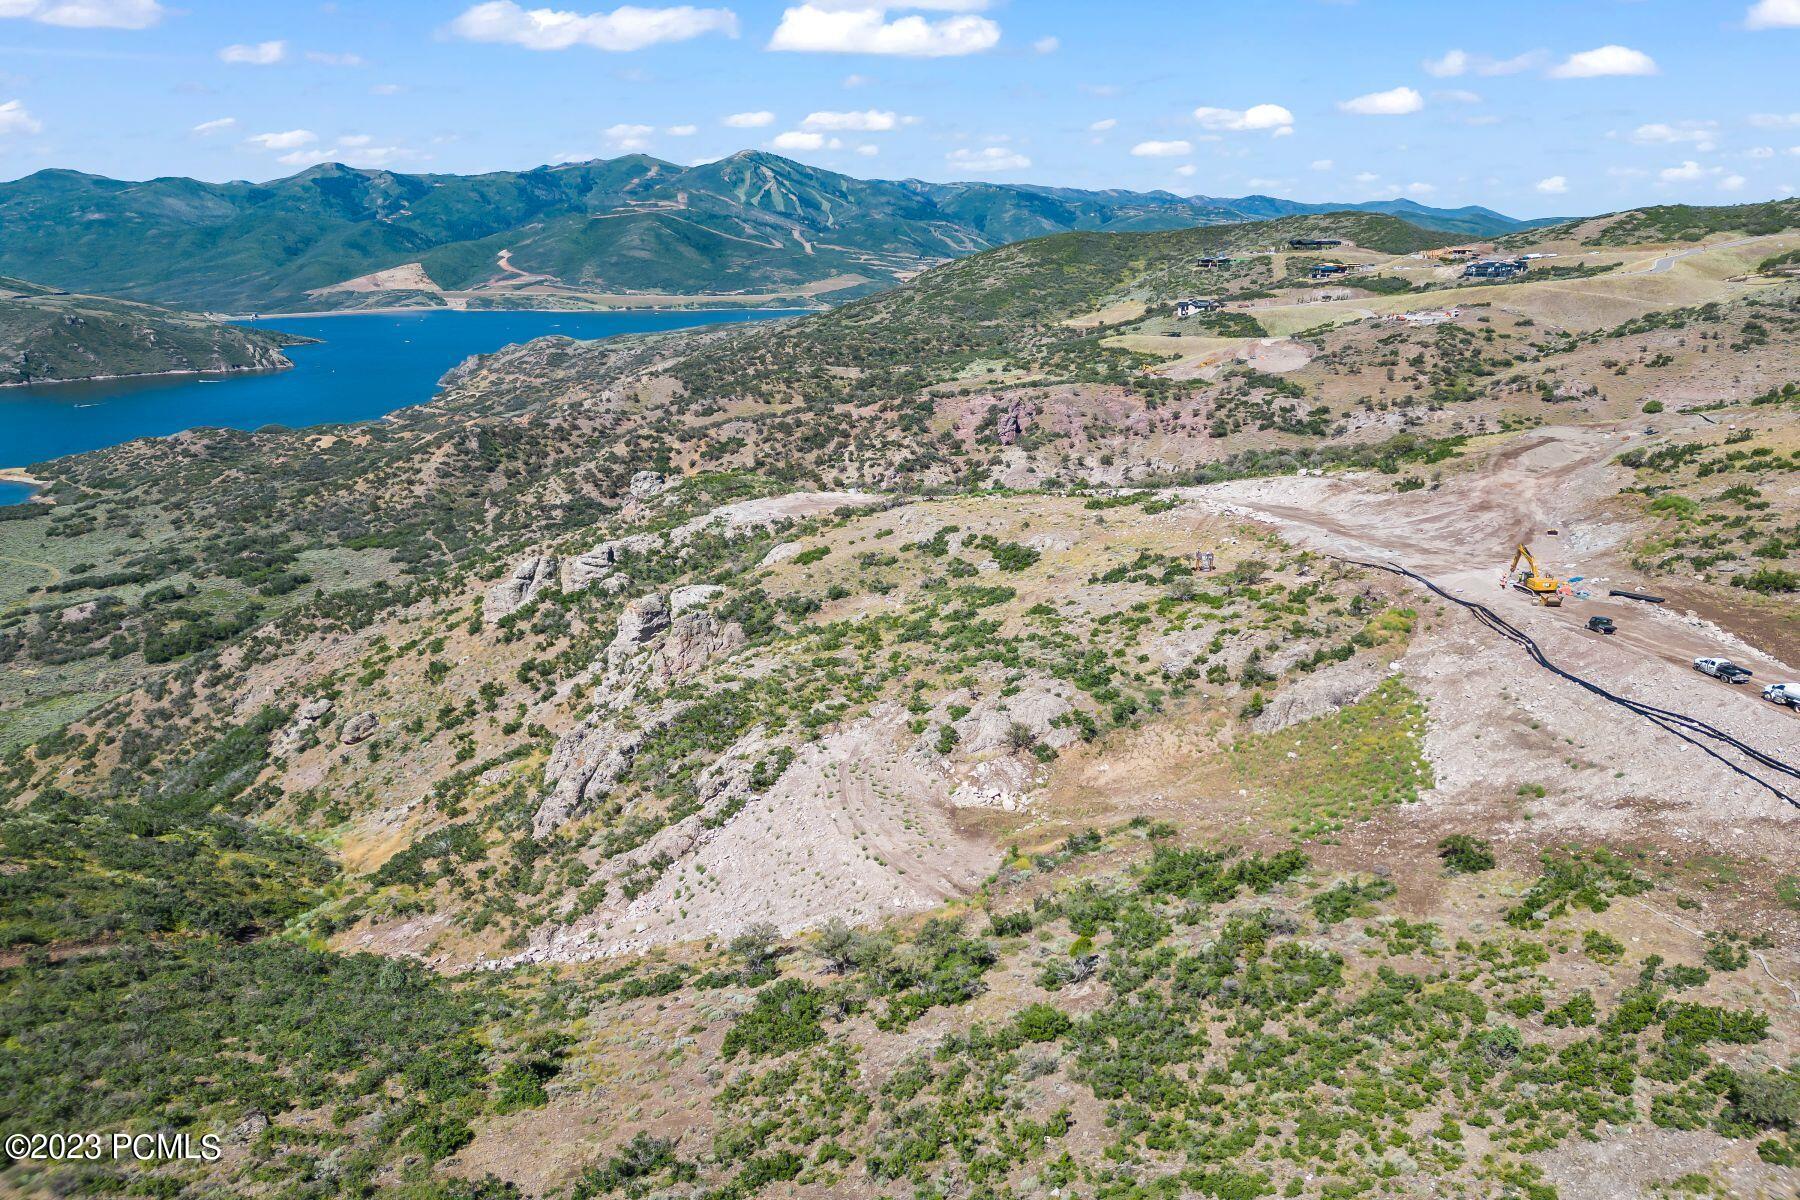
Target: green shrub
[[1464, 854], [787, 1015]]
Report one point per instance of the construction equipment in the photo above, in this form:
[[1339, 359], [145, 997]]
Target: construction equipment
[[1532, 579]]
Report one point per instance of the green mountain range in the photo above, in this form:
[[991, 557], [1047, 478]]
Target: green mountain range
[[52, 336], [752, 224]]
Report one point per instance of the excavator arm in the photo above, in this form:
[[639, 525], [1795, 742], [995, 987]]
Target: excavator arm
[[1546, 588]]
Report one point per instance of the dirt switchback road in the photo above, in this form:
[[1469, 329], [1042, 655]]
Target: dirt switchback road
[[1501, 721]]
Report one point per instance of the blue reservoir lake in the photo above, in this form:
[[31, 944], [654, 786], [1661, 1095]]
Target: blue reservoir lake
[[366, 365]]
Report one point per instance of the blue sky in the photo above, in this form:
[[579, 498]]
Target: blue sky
[[1530, 107]]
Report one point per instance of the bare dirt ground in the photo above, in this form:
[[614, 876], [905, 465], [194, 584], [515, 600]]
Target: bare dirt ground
[[854, 829], [1499, 723]]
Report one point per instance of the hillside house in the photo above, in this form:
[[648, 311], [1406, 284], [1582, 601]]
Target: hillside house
[[1496, 268], [1329, 270], [1213, 261], [1456, 254], [1193, 308], [1314, 243]]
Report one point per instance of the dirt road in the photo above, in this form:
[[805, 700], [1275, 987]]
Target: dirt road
[[1499, 719]]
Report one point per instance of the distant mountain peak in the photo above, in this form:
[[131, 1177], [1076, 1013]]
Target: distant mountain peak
[[754, 222]]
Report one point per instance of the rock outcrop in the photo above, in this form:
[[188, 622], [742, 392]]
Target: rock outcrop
[[695, 639], [694, 595], [359, 728], [529, 578], [589, 760], [601, 564], [1013, 421], [305, 721], [643, 619], [605, 558]]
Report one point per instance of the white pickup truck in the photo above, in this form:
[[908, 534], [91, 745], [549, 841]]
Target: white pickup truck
[[1721, 668], [1783, 693]]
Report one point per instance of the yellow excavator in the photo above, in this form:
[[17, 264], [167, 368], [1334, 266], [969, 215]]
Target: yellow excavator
[[1532, 579]]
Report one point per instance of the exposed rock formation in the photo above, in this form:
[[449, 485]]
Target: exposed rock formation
[[304, 722], [643, 619], [529, 578], [694, 640], [1013, 421], [694, 595], [601, 562], [590, 759], [359, 728]]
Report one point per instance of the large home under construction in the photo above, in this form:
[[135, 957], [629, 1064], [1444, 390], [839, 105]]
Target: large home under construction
[[1496, 268]]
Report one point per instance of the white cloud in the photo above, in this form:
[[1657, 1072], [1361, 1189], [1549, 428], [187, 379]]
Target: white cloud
[[1457, 96], [1687, 172], [1392, 103], [870, 121], [1775, 120], [386, 89], [1760, 152], [1366, 177], [86, 14], [1773, 14], [289, 140], [15, 119], [1186, 169], [1732, 183], [750, 120], [628, 137], [868, 150], [825, 28], [1047, 45], [1603, 61], [1555, 185], [625, 28], [1452, 64], [856, 81], [1510, 66], [208, 128], [1103, 125], [1174, 149], [1277, 120], [1701, 135], [988, 158], [795, 139], [335, 60], [262, 54], [1460, 62], [1420, 189], [1322, 164], [682, 130], [353, 150]]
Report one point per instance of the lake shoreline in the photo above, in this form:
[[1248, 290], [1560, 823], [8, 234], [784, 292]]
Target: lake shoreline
[[50, 383], [253, 319], [19, 477], [358, 371]]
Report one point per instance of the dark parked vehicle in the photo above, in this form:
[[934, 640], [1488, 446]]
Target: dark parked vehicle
[[1602, 625]]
